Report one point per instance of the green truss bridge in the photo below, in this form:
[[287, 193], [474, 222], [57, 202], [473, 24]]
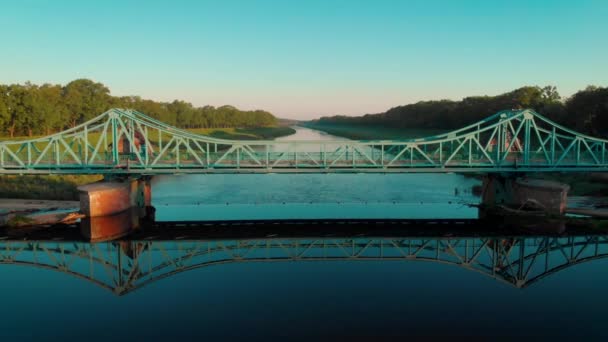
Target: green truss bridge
[[128, 142]]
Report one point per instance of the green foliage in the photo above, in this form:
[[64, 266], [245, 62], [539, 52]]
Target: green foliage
[[586, 110], [28, 109], [85, 99], [183, 114]]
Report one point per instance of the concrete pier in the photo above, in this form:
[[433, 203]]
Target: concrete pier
[[521, 192], [105, 198], [111, 206], [111, 197]]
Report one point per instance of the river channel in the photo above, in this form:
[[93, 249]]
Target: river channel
[[305, 196], [319, 284]]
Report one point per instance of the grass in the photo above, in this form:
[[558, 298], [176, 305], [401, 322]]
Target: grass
[[371, 132], [253, 133], [52, 187]]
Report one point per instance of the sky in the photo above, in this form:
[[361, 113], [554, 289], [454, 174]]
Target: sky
[[304, 59]]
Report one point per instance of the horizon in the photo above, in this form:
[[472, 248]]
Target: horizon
[[303, 61]]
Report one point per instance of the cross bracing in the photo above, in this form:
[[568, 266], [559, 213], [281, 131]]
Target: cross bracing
[[123, 267], [126, 141]]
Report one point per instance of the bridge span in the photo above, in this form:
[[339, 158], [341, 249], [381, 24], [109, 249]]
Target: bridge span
[[122, 141]]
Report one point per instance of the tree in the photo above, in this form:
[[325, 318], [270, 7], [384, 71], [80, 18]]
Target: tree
[[29, 109], [4, 106], [51, 108], [588, 110], [85, 99], [550, 94], [447, 114]]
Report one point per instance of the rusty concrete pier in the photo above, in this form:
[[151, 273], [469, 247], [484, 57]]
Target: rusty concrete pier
[[112, 207]]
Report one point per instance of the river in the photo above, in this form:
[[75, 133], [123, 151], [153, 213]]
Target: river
[[328, 283], [303, 196]]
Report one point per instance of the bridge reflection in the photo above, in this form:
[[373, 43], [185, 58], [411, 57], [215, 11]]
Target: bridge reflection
[[125, 266]]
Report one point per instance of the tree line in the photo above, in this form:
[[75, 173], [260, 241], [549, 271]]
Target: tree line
[[30, 109], [586, 111]]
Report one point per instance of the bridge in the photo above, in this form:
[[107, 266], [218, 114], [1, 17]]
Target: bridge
[[123, 141], [125, 266]]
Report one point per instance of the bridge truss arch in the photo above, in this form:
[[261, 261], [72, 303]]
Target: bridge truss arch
[[122, 141]]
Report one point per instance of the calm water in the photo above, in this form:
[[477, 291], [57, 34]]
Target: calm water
[[327, 286], [285, 196]]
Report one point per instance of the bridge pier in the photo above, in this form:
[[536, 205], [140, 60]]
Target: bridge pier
[[113, 207], [515, 194]]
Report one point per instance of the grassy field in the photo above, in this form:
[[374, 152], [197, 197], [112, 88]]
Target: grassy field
[[44, 187], [368, 132], [254, 133]]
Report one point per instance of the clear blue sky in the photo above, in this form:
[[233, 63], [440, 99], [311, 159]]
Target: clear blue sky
[[303, 59]]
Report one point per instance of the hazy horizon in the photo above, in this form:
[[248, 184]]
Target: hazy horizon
[[306, 60]]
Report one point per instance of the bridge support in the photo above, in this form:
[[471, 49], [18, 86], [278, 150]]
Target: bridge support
[[515, 194], [113, 207]]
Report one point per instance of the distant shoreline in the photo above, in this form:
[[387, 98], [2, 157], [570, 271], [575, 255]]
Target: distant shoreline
[[367, 132]]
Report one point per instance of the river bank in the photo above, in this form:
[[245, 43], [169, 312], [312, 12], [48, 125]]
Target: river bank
[[251, 133], [368, 132], [44, 187], [27, 212], [26, 200], [7, 204]]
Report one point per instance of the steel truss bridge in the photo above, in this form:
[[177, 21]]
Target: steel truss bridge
[[128, 142], [123, 267]]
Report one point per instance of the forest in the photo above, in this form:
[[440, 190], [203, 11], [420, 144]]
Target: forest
[[29, 109], [586, 111]]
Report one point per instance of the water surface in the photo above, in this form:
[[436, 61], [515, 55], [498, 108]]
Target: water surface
[[318, 287], [304, 196], [329, 286]]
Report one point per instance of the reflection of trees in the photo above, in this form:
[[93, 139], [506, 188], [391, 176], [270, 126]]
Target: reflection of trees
[[125, 266]]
